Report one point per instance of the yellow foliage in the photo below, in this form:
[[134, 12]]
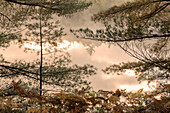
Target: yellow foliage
[[139, 91], [134, 95], [38, 110], [102, 101], [114, 99]]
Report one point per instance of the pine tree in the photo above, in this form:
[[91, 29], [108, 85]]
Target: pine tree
[[141, 29], [36, 18]]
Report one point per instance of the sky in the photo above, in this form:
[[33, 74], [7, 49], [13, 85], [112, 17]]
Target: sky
[[102, 56]]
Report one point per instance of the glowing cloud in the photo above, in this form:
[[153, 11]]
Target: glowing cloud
[[144, 85], [130, 72], [64, 45]]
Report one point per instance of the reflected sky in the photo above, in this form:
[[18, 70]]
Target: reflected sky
[[83, 51]]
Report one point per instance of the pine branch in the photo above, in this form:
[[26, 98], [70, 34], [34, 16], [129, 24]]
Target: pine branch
[[31, 4], [131, 39]]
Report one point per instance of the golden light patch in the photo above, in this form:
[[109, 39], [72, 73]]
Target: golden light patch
[[64, 45], [130, 72], [143, 85]]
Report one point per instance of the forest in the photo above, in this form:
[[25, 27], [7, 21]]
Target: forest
[[44, 77]]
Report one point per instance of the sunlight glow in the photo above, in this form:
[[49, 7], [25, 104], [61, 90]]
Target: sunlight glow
[[32, 45], [68, 45], [108, 76], [64, 45], [130, 72], [144, 85], [127, 72]]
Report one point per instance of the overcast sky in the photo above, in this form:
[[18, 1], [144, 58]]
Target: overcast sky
[[102, 56]]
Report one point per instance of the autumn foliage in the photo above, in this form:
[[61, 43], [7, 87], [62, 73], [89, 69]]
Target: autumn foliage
[[102, 101]]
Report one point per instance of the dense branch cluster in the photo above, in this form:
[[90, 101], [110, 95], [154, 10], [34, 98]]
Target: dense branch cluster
[[32, 21], [61, 7], [141, 29]]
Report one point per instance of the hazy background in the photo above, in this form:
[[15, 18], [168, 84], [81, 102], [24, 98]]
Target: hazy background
[[84, 51]]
